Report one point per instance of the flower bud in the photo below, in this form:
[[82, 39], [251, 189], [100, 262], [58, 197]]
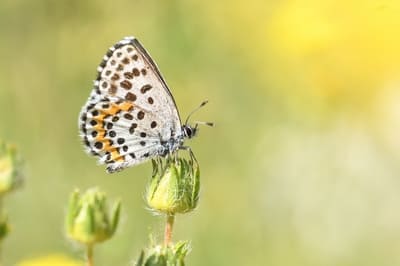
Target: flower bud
[[88, 219], [10, 168], [172, 255], [175, 187]]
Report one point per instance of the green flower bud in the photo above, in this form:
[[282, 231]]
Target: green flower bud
[[10, 168], [175, 187], [88, 219], [172, 255]]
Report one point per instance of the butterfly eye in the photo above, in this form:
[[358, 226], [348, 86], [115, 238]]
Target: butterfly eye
[[189, 132]]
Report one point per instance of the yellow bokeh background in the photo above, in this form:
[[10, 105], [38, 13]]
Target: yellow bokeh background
[[302, 167], [51, 260]]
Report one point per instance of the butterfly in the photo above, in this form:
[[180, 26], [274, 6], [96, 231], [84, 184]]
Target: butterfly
[[131, 115]]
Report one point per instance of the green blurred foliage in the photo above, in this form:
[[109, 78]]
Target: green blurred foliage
[[302, 167]]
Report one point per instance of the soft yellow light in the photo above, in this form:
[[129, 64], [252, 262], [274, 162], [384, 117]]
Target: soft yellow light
[[51, 260]]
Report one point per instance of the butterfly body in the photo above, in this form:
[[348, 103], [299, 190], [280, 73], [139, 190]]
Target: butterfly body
[[131, 115]]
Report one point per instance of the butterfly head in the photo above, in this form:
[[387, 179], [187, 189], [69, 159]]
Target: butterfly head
[[189, 131]]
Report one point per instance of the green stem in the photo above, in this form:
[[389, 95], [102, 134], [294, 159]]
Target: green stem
[[3, 221], [168, 229], [89, 255]]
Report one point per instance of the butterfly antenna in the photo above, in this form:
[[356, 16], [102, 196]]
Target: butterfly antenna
[[210, 124], [195, 110]]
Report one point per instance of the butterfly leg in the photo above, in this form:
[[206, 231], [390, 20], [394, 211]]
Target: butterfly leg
[[154, 163], [191, 154], [175, 154]]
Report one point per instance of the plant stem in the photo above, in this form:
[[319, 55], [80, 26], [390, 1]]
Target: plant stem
[[89, 255], [3, 221], [168, 229]]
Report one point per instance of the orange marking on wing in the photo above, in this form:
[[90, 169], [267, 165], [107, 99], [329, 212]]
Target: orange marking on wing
[[115, 156], [101, 133], [108, 147], [101, 136], [100, 125], [113, 109], [99, 118], [125, 106]]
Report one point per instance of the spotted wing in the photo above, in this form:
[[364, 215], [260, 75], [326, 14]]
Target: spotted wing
[[130, 111]]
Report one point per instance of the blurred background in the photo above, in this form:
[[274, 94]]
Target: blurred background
[[302, 167]]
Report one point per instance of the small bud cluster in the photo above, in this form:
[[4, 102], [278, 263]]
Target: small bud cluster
[[173, 188], [172, 255]]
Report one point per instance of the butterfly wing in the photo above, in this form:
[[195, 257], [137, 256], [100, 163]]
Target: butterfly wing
[[130, 111]]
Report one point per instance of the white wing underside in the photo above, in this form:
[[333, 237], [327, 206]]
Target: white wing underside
[[128, 91]]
